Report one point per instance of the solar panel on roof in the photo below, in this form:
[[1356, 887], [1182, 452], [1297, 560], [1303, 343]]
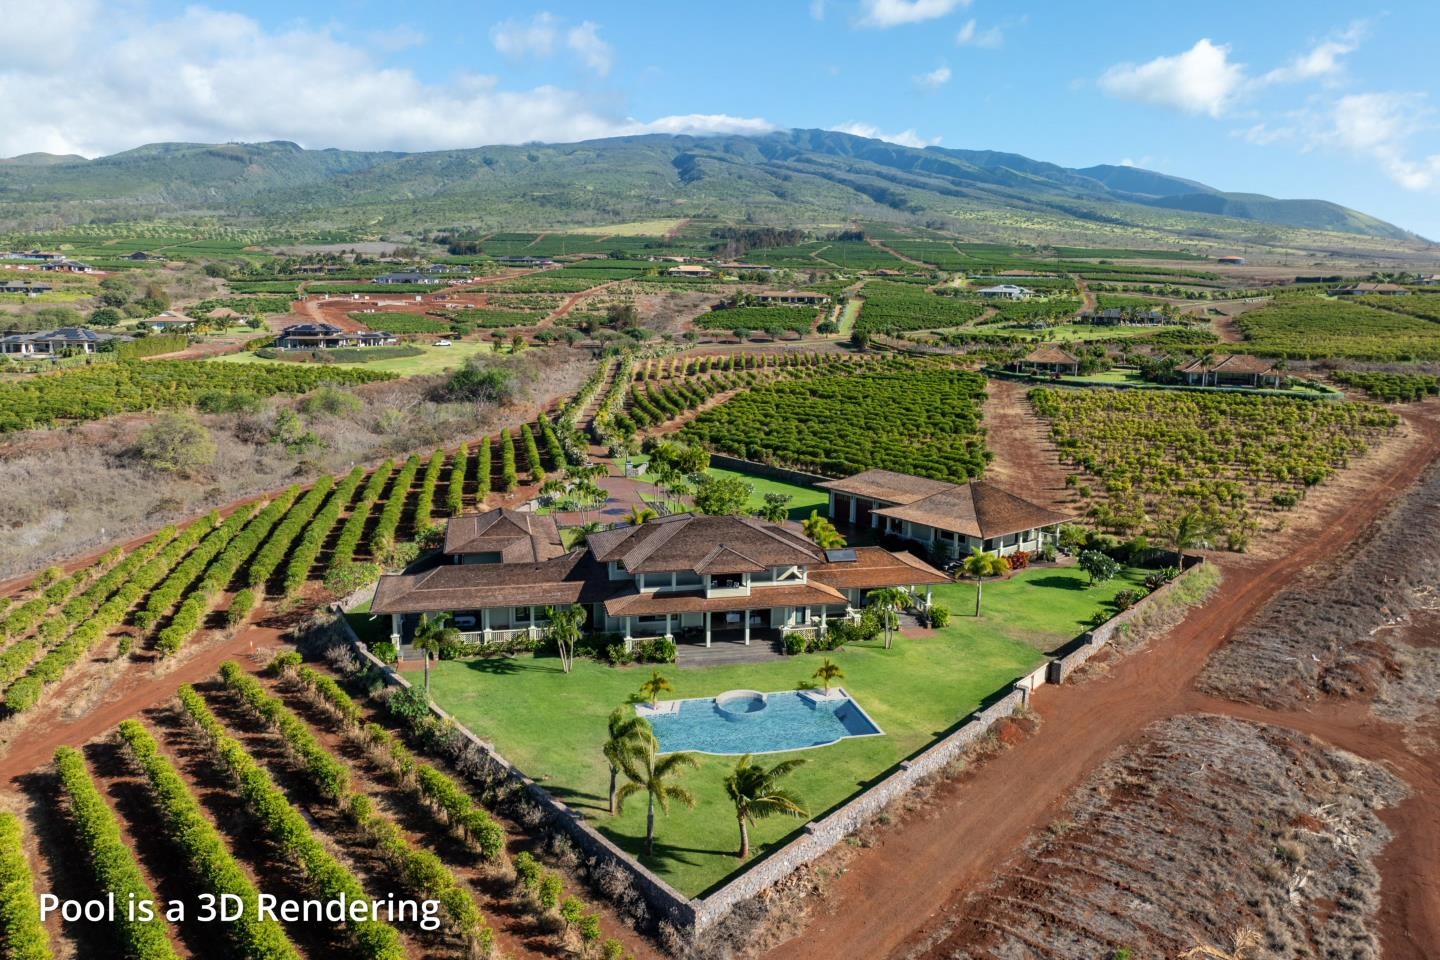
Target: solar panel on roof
[[845, 555]]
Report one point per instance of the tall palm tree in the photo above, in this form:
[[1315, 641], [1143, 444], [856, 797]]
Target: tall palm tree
[[981, 564], [630, 736], [431, 634], [889, 600], [820, 530], [654, 775], [656, 685], [827, 671], [756, 795], [566, 624], [1190, 529]]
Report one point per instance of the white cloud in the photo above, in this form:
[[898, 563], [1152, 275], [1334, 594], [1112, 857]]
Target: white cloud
[[518, 39], [117, 80], [595, 53], [1321, 61], [1200, 80], [971, 35], [883, 14], [934, 79], [817, 9], [397, 37], [1380, 125], [905, 138]]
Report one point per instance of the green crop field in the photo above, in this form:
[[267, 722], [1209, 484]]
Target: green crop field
[[769, 319], [1315, 328], [893, 307]]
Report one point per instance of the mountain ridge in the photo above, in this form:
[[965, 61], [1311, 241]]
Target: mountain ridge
[[800, 175]]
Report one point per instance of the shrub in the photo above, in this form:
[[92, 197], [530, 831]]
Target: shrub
[[1286, 498], [351, 576], [658, 650], [795, 643], [528, 871], [240, 606], [938, 615], [385, 651], [1126, 599], [176, 443], [1019, 560], [551, 887], [1048, 553], [21, 931]]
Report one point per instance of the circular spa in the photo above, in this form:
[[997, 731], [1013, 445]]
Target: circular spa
[[738, 705]]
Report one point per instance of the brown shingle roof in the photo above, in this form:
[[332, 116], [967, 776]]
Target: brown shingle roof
[[887, 485], [874, 568], [703, 545], [572, 578], [517, 537], [1050, 355], [637, 604], [976, 509]]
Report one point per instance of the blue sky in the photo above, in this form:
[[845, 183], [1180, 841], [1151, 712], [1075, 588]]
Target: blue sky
[[1289, 99]]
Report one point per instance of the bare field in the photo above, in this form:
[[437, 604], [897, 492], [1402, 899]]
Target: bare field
[[1205, 827], [1341, 631]]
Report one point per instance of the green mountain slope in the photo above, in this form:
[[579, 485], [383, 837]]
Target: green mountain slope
[[797, 176]]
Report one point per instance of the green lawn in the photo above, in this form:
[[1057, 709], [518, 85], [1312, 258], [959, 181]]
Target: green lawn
[[552, 725], [433, 360], [803, 498]]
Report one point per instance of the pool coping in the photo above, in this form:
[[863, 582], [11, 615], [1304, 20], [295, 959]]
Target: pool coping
[[879, 731]]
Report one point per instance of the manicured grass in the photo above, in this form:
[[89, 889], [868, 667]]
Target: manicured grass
[[552, 725], [433, 360], [803, 498], [849, 313]]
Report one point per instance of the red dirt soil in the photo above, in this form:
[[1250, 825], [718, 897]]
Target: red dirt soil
[[1026, 460], [891, 896]]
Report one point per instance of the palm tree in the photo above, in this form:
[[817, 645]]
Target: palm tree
[[889, 601], [656, 685], [756, 795], [1191, 529], [639, 514], [630, 736], [828, 671], [820, 530], [981, 564], [431, 634], [565, 627], [652, 774]]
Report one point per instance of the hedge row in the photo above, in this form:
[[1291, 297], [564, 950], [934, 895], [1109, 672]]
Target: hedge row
[[186, 573], [210, 863], [354, 528], [330, 776], [455, 487], [509, 478], [383, 536], [22, 935], [109, 856], [312, 541], [23, 618], [484, 465], [191, 615], [277, 545], [553, 446], [267, 803], [532, 454], [425, 500]]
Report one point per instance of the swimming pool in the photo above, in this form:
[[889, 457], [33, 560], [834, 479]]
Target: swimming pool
[[747, 721]]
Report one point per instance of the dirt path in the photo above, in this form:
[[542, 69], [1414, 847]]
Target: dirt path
[[1087, 298], [1226, 329], [878, 245], [1025, 459], [892, 896], [574, 300]]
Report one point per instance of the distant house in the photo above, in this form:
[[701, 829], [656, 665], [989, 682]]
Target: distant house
[[61, 341], [1429, 281], [1231, 260], [690, 270], [1232, 370], [804, 298], [406, 276], [40, 255], [26, 289], [539, 262], [947, 518], [66, 266], [142, 255], [1048, 360], [327, 336], [321, 267], [1005, 291], [1116, 317], [737, 266], [170, 322], [1370, 289]]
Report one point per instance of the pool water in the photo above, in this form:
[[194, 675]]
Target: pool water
[[788, 720]]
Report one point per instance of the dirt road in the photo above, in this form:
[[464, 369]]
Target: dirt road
[[892, 896], [1025, 460], [1087, 299]]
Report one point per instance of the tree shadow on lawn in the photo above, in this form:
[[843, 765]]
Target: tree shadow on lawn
[[1059, 583], [634, 847], [573, 798], [500, 666]]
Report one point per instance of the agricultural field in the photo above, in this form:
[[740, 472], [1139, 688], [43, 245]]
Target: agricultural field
[[772, 320], [424, 359], [912, 417], [1391, 387], [896, 307], [1143, 458], [90, 393], [1313, 328], [397, 322]]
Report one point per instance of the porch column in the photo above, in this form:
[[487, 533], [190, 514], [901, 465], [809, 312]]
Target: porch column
[[485, 623], [822, 620], [707, 628], [629, 630], [747, 628], [928, 590], [395, 629], [667, 626], [852, 511]]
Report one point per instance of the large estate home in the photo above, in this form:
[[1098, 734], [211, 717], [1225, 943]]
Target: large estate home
[[62, 341], [327, 336], [1231, 370], [693, 578], [944, 518]]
